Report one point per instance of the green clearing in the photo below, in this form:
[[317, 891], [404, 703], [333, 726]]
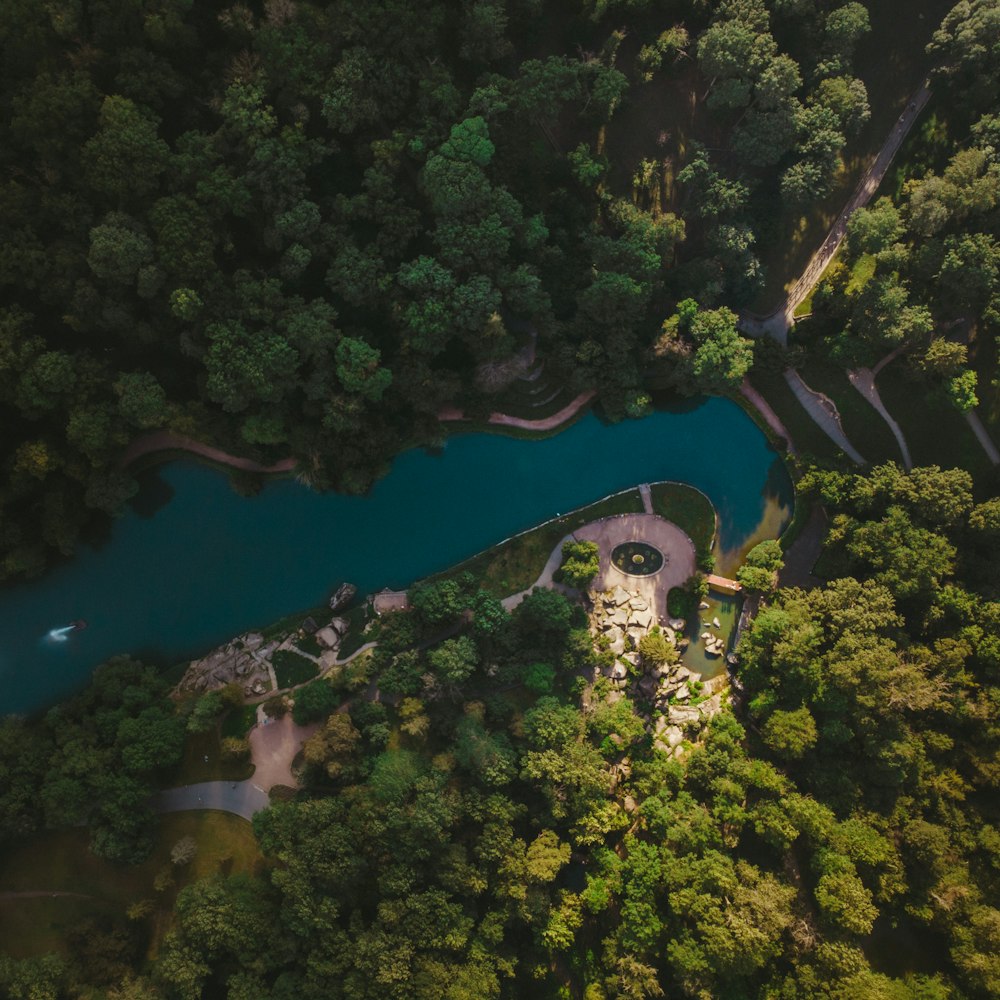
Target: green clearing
[[515, 564], [292, 669], [203, 761], [691, 511], [935, 431], [62, 862]]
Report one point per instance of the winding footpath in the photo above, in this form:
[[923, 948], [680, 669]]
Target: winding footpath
[[863, 379], [777, 323], [824, 412]]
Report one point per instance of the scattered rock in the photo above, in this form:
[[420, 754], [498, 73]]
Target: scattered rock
[[716, 623], [340, 626], [703, 606], [343, 595], [620, 596], [677, 624], [683, 693]]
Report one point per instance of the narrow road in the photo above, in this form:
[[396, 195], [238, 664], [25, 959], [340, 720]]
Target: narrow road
[[863, 379], [242, 798], [983, 435], [778, 322], [824, 412]]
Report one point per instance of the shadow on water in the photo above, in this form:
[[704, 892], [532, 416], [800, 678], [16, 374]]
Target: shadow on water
[[154, 494]]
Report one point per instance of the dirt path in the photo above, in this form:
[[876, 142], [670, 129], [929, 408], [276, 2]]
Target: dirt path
[[777, 323], [824, 412], [752, 396], [863, 379], [571, 409], [983, 436], [160, 441], [157, 441]]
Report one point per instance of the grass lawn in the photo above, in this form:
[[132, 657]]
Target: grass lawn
[[690, 510], [514, 565], [864, 428], [62, 862], [936, 432], [194, 768], [291, 669]]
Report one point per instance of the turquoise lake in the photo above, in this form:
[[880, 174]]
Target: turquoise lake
[[207, 564]]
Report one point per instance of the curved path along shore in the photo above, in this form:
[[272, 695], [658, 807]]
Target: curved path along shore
[[161, 441], [778, 322], [761, 405]]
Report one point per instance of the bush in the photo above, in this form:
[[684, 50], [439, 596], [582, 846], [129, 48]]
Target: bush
[[580, 564], [276, 706], [234, 748], [313, 702]]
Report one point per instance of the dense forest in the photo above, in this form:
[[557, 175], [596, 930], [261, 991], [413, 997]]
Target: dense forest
[[304, 228], [502, 825], [291, 227]]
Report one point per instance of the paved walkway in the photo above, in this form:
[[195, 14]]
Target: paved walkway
[[803, 553], [647, 497], [676, 547], [983, 436], [545, 578], [273, 746], [863, 379], [749, 393], [778, 322], [242, 798], [824, 412]]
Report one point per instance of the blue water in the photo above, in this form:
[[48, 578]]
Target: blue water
[[209, 564]]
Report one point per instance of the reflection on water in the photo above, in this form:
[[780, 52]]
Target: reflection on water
[[778, 499]]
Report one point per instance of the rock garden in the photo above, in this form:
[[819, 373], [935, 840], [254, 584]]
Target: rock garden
[[645, 650]]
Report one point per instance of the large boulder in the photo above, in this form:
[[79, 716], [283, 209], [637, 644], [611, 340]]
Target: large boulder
[[620, 596], [328, 637]]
